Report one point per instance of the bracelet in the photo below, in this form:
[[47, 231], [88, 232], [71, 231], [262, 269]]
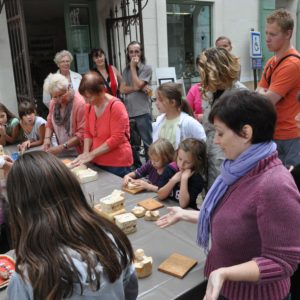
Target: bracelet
[[47, 138]]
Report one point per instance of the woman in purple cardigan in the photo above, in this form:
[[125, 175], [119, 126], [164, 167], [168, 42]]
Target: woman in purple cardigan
[[252, 211]]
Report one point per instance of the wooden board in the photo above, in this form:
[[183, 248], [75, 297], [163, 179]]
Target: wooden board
[[177, 265], [109, 216], [150, 204], [133, 191]]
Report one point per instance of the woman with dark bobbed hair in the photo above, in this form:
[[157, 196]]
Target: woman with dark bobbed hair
[[63, 248], [252, 211]]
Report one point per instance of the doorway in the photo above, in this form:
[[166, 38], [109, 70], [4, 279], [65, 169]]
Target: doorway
[[52, 26], [45, 36]]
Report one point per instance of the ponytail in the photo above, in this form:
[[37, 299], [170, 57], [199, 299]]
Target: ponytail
[[185, 107]]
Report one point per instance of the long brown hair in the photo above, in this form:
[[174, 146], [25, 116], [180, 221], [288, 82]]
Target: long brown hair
[[49, 216], [173, 91]]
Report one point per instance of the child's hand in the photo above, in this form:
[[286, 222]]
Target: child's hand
[[24, 146], [186, 174], [177, 177], [2, 128], [126, 179], [141, 183]]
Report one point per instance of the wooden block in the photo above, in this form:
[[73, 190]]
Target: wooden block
[[109, 216], [133, 190], [177, 265], [126, 222], [150, 204]]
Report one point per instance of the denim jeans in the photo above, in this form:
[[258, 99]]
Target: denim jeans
[[144, 129], [119, 171], [289, 151]]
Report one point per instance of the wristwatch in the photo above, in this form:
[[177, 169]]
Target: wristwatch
[[65, 145]]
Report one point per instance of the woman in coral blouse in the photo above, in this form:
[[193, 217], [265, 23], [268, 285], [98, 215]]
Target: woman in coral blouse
[[106, 137]]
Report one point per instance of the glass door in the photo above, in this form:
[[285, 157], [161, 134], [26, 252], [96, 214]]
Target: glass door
[[82, 33]]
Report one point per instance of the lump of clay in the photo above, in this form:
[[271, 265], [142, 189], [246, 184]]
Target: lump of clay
[[142, 263], [151, 215]]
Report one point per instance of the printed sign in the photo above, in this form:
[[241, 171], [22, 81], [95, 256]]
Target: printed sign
[[255, 44]]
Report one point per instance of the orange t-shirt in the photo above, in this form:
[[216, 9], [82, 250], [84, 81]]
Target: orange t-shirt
[[285, 81]]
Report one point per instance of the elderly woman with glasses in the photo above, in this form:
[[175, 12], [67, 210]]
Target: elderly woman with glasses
[[65, 118], [63, 60]]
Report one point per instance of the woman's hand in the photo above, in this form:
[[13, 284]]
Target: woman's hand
[[83, 159], [173, 216], [214, 285], [55, 150]]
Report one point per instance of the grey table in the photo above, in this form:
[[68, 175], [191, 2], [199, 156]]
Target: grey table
[[156, 242]]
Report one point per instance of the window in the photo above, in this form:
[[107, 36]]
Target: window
[[189, 33]]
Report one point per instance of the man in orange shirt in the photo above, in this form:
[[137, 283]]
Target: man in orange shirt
[[280, 83]]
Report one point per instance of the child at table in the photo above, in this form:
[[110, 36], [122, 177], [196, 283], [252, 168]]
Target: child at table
[[184, 180], [33, 126], [161, 153], [64, 249], [9, 126]]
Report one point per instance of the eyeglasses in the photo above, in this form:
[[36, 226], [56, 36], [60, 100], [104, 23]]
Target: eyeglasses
[[65, 62], [60, 96]]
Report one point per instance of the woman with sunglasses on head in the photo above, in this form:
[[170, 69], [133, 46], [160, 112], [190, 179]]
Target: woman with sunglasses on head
[[65, 118]]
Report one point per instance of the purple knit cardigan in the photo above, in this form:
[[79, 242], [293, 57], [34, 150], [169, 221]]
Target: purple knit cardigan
[[258, 219]]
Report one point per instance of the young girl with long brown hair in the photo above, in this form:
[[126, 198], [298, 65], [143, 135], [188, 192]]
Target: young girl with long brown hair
[[63, 248]]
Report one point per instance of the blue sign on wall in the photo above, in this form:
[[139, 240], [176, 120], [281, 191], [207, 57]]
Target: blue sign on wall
[[255, 44]]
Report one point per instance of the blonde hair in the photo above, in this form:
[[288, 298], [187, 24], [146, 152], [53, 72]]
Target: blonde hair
[[198, 151], [218, 69], [283, 19], [163, 149], [55, 83], [221, 38], [59, 55]]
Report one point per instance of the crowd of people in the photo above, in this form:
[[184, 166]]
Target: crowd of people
[[237, 149]]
